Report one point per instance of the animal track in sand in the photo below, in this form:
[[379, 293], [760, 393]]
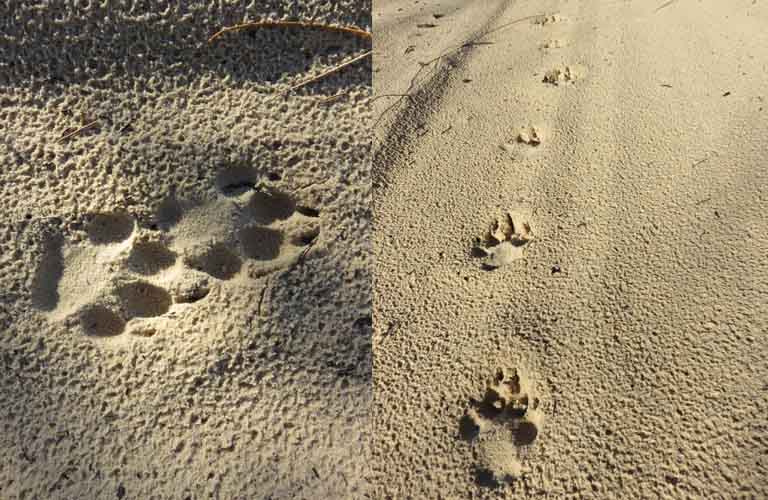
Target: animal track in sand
[[563, 76], [505, 241], [529, 135], [125, 278], [553, 44], [547, 19], [502, 426]]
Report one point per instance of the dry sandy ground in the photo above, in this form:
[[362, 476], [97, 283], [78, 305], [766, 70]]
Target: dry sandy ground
[[184, 287], [620, 349]]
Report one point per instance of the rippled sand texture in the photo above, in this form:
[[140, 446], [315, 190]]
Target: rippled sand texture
[[571, 283], [185, 290]]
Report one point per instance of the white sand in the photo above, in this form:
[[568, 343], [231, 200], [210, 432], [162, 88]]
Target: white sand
[[166, 330], [639, 310]]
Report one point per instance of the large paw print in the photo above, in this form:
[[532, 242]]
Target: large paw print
[[120, 277], [502, 426]]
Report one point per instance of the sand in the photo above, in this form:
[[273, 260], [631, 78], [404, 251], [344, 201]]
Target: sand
[[618, 349], [185, 297]]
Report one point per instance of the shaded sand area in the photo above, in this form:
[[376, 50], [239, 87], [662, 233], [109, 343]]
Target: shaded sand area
[[571, 284], [185, 289]]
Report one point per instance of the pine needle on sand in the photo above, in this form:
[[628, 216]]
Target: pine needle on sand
[[292, 24], [300, 24], [77, 131], [326, 73]]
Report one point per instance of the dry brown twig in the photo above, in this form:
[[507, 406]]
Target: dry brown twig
[[77, 131], [292, 24], [326, 73], [300, 24]]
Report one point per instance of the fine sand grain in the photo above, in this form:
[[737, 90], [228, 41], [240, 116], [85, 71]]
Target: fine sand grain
[[621, 351], [185, 263]]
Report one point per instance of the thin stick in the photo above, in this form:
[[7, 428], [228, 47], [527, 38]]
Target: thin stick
[[333, 97], [665, 5], [477, 41], [326, 73], [75, 132], [292, 24]]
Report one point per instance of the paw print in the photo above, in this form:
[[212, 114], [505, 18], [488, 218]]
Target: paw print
[[502, 426], [506, 241], [563, 76], [121, 278]]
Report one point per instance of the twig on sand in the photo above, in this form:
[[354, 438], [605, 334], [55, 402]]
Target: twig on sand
[[303, 255], [77, 131], [325, 73], [263, 294], [477, 40], [667, 4], [701, 161], [472, 44], [390, 95], [332, 98], [291, 24], [300, 24]]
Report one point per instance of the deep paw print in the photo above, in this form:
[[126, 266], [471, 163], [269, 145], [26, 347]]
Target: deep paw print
[[502, 427], [505, 241]]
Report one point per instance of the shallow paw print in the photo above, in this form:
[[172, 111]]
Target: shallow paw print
[[547, 19], [553, 43], [529, 135], [505, 241], [502, 426], [567, 75], [97, 280]]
